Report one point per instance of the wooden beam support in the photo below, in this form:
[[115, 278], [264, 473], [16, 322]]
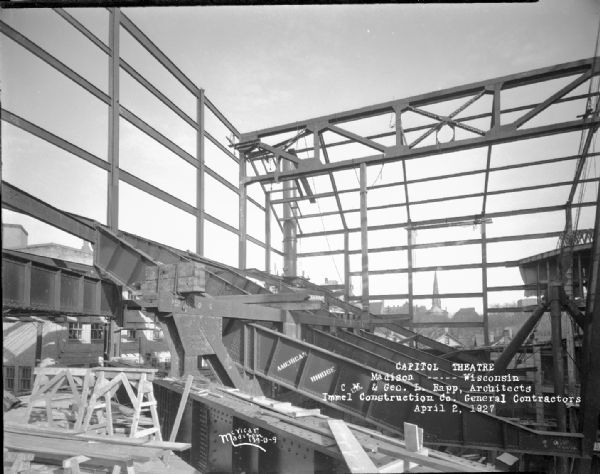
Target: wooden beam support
[[181, 409]]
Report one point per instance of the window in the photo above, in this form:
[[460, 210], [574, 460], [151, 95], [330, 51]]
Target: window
[[75, 332], [128, 335], [9, 378], [157, 333], [25, 379], [97, 332]]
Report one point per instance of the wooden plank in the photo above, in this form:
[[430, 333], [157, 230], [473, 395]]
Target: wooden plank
[[354, 455], [21, 462], [67, 448], [181, 409], [396, 466], [60, 433], [75, 371], [437, 459]]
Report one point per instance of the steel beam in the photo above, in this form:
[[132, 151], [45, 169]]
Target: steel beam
[[505, 136], [266, 298], [405, 181], [396, 352], [33, 284], [508, 82], [19, 201], [432, 344], [453, 198], [449, 221], [497, 133], [502, 362], [161, 57]]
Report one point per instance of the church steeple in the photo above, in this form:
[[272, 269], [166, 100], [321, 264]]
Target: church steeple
[[436, 302]]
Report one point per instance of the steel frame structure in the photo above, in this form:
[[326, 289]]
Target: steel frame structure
[[409, 143], [119, 21], [505, 125]]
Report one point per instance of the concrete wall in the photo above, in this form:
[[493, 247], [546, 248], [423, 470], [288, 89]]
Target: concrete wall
[[61, 252]]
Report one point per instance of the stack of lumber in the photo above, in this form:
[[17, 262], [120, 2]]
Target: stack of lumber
[[72, 451], [285, 408]]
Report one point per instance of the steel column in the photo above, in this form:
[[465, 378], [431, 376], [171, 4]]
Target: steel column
[[267, 232], [590, 406], [558, 368], [39, 326], [411, 309], [347, 286], [364, 240], [242, 213], [112, 218], [484, 285], [200, 172], [289, 226]]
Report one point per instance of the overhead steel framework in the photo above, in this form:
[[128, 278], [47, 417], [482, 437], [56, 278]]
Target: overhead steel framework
[[490, 125]]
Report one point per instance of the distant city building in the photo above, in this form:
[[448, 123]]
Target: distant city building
[[448, 339], [505, 338], [83, 255], [436, 301], [14, 236]]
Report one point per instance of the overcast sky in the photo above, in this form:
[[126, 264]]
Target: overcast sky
[[262, 66]]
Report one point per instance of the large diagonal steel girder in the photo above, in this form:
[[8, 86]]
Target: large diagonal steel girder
[[313, 371], [378, 356], [386, 362], [332, 300]]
